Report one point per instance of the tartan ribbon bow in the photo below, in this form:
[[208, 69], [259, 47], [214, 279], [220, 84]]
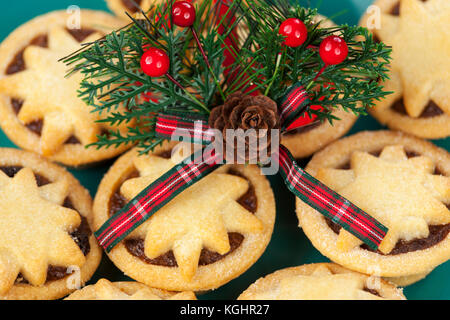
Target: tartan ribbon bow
[[195, 128]]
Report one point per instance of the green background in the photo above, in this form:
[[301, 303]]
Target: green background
[[289, 246]]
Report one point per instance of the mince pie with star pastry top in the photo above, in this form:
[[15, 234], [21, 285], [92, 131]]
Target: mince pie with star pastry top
[[304, 141], [126, 290], [206, 236], [45, 233], [40, 108], [403, 182], [321, 281], [417, 30]]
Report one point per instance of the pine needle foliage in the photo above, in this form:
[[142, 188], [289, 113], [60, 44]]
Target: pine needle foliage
[[112, 76]]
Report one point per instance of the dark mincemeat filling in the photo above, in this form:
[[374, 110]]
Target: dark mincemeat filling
[[136, 246], [395, 11], [18, 65], [80, 235], [437, 232], [165, 154], [80, 34], [372, 291]]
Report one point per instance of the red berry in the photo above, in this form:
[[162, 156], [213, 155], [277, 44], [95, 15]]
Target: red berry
[[295, 32], [155, 62], [183, 14], [333, 50]]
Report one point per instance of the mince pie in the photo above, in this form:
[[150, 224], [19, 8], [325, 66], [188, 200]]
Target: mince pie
[[127, 290], [206, 236], [417, 30], [304, 141], [46, 242], [404, 183], [40, 108], [321, 281]]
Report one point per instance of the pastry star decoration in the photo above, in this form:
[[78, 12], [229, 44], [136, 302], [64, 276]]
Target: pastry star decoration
[[403, 194], [105, 290], [34, 229], [322, 284], [48, 95], [201, 216], [420, 38]]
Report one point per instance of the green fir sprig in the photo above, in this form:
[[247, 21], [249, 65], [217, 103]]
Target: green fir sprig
[[114, 85], [352, 85]]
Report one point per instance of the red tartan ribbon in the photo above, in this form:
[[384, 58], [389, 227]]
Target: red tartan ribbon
[[194, 128], [329, 203]]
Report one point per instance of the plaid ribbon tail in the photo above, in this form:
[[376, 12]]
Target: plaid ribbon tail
[[293, 104], [329, 203], [184, 127], [155, 196]]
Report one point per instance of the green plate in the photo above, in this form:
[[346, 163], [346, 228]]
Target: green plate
[[289, 246]]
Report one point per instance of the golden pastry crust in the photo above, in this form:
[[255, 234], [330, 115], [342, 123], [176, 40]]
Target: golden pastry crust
[[80, 200], [53, 25], [348, 253], [302, 283], [419, 67], [126, 290], [256, 228], [304, 144]]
